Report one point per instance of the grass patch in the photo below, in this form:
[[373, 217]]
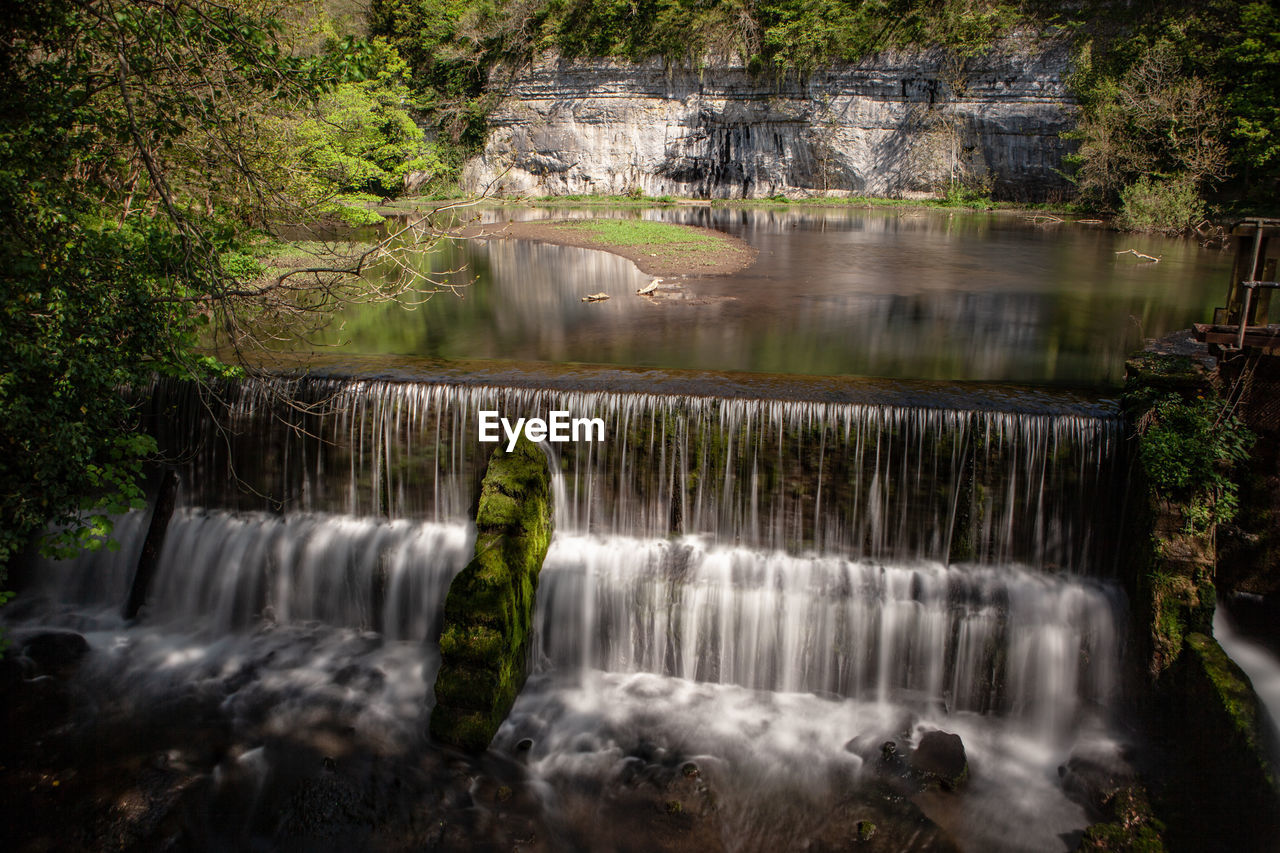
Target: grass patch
[[654, 237], [276, 257]]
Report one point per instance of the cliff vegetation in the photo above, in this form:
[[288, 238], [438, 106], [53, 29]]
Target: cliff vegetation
[[1177, 115]]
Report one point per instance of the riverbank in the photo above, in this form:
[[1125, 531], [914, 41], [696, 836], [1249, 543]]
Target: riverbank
[[919, 202], [656, 248]]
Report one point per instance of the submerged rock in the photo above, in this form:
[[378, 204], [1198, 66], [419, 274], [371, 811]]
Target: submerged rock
[[55, 652], [1091, 776], [939, 759]]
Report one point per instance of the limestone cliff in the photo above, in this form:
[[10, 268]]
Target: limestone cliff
[[892, 125]]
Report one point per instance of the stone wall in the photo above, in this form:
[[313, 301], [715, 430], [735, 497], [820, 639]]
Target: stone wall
[[1217, 788], [1169, 570], [896, 124]]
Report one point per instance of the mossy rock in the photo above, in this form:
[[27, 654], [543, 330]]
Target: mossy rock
[[478, 645], [489, 611], [1222, 738], [1130, 826], [1166, 372], [1233, 701]]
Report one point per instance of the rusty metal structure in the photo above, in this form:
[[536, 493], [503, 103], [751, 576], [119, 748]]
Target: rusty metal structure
[[1245, 322]]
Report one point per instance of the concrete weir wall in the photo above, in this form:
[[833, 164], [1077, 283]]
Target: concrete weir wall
[[897, 123], [489, 611]]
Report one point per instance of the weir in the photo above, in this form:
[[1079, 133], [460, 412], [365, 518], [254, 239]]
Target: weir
[[822, 571], [1039, 488]]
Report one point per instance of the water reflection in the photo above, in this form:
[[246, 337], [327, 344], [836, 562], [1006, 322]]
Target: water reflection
[[868, 292]]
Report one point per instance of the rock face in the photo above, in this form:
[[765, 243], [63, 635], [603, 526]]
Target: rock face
[[892, 125], [488, 613]]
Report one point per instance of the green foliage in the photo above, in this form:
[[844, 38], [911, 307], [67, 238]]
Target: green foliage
[[79, 317], [784, 35], [450, 46], [362, 140], [1249, 64], [240, 265], [957, 194], [1187, 451], [1150, 138], [1169, 206], [1184, 91], [137, 150]]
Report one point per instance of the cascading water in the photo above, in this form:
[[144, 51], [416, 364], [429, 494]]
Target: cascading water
[[770, 584], [871, 480], [226, 570], [973, 639]]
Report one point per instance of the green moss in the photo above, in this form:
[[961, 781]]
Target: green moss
[[1234, 695], [1180, 603], [484, 644], [481, 645], [470, 730], [1223, 740], [1115, 836], [1130, 825], [469, 688]]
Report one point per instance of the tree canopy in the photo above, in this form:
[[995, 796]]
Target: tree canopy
[[142, 144]]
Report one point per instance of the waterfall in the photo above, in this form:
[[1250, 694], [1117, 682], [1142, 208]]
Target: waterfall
[[857, 479], [781, 545], [224, 570], [971, 638], [776, 587]]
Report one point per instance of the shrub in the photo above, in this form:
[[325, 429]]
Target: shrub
[[1187, 451], [1165, 205]]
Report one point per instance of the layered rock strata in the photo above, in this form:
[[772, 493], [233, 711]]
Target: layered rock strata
[[896, 124]]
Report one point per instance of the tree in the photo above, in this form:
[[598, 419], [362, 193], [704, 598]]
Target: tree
[[1150, 140], [139, 150], [1249, 66], [361, 138]]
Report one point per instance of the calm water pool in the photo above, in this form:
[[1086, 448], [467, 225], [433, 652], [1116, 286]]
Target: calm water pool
[[835, 291]]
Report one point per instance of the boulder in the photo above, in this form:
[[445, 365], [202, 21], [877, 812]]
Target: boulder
[[1092, 775], [939, 759], [54, 652]]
